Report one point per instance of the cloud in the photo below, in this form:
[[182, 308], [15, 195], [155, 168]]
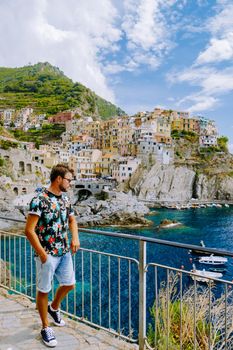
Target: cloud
[[87, 40], [217, 51], [220, 46], [211, 84], [147, 38], [69, 34], [211, 80], [200, 102], [144, 25]]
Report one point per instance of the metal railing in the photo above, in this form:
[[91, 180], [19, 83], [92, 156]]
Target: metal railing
[[136, 299]]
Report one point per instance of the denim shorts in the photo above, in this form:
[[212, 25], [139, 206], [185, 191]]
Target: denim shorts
[[59, 266]]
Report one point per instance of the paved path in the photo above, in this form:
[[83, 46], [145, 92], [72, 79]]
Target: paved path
[[20, 328]]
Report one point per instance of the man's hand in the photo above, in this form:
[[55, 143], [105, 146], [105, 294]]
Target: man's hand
[[75, 245], [43, 258]]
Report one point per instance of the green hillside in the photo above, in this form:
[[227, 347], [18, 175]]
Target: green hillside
[[47, 90]]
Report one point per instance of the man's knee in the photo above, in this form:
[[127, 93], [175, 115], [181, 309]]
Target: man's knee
[[42, 294]]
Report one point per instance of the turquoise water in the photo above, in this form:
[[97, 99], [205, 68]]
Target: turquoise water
[[212, 225]]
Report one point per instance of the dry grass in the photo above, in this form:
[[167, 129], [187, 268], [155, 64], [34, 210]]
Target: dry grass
[[198, 322]]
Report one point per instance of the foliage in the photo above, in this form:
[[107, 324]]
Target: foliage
[[222, 143], [48, 132], [102, 196], [178, 154], [47, 90], [5, 133], [6, 167], [6, 144], [209, 326], [188, 135]]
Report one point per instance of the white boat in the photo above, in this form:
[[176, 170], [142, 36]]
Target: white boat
[[203, 273], [213, 260]]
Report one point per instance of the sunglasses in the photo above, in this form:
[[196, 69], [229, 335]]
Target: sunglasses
[[69, 180]]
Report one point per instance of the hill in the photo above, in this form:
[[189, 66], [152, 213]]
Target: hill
[[46, 89]]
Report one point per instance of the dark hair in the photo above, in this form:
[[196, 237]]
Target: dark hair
[[60, 170]]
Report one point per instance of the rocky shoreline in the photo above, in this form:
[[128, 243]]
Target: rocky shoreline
[[120, 210], [123, 210]]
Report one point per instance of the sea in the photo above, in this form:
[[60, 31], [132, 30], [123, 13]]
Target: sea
[[212, 225]]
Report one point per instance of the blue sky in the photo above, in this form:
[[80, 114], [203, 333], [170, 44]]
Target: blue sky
[[139, 54]]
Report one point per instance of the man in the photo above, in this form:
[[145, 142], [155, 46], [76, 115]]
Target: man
[[50, 217]]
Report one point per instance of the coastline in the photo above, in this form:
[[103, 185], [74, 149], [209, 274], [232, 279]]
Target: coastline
[[193, 203], [125, 211]]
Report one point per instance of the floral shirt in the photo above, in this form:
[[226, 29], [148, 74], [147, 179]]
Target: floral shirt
[[53, 224]]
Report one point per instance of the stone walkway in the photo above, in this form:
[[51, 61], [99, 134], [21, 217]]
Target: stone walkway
[[20, 328]]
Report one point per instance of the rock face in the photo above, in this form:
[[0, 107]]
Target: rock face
[[166, 183], [122, 210], [215, 187], [179, 183]]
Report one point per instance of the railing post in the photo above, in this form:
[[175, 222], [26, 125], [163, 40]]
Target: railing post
[[142, 295]]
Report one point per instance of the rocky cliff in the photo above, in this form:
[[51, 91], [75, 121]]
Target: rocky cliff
[[180, 182]]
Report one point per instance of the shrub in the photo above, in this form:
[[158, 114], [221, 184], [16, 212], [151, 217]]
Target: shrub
[[102, 196], [209, 323], [222, 143]]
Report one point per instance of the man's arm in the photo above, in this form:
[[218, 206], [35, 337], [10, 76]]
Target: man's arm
[[33, 238], [75, 244]]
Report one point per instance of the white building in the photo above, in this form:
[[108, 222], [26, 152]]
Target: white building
[[63, 156], [124, 167], [88, 163], [81, 143], [208, 140], [23, 116], [8, 116], [150, 151]]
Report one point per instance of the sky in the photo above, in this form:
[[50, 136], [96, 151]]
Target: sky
[[138, 54]]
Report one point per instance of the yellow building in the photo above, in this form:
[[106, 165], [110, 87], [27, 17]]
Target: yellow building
[[107, 160], [164, 126]]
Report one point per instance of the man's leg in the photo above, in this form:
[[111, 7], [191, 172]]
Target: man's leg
[[61, 292], [54, 309], [42, 305], [66, 278]]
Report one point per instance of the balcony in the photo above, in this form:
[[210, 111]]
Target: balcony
[[123, 290]]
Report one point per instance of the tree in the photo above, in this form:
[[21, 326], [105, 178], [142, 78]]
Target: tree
[[222, 143]]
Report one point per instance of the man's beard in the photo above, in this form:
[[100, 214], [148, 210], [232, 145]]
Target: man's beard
[[62, 189]]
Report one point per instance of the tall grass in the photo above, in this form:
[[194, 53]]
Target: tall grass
[[197, 321]]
